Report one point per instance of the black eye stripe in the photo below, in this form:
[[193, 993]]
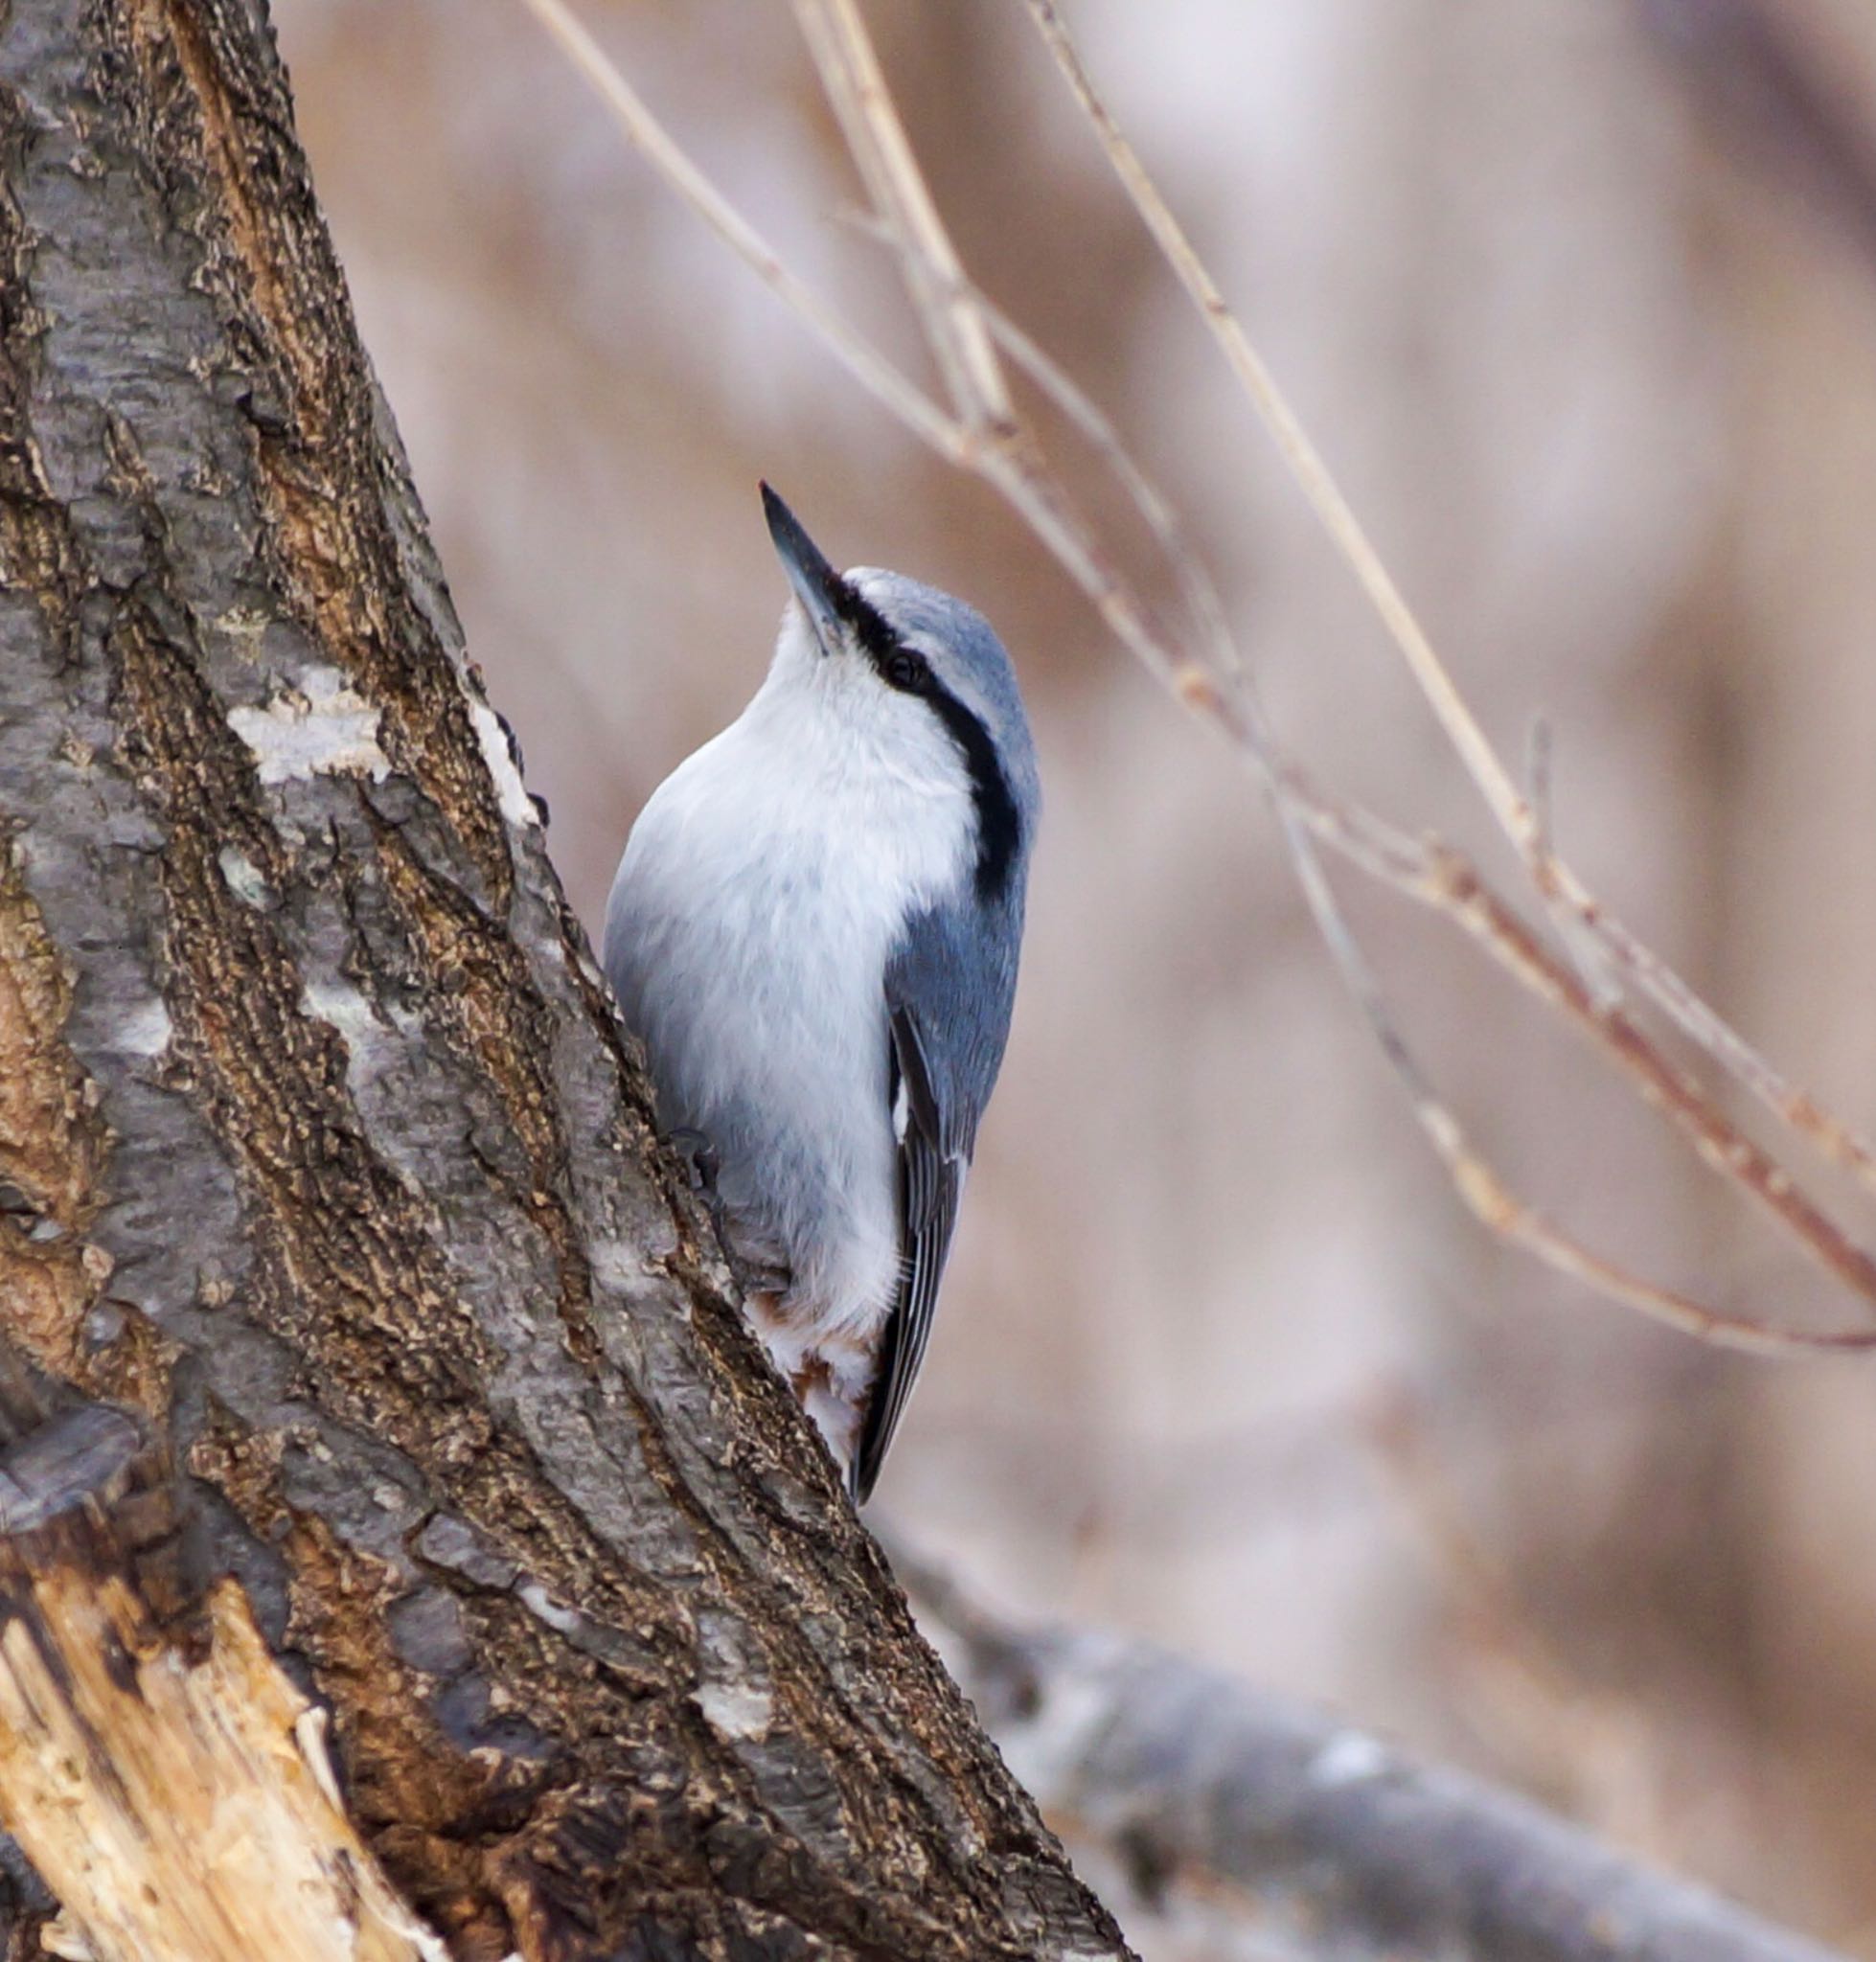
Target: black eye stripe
[[999, 824], [869, 625]]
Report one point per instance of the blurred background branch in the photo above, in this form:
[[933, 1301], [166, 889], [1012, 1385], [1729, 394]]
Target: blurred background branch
[[1771, 101], [1279, 1832]]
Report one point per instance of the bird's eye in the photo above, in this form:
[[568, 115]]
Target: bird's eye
[[904, 669]]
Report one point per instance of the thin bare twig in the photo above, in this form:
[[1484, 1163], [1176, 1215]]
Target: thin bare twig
[[1828, 1136], [1591, 959], [953, 325], [1211, 628], [988, 437], [871, 369], [1300, 452], [1564, 894]]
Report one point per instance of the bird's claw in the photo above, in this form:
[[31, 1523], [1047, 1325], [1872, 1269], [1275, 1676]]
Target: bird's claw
[[698, 1156], [701, 1166]]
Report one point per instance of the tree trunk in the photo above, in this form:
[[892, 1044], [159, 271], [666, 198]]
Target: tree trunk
[[324, 1170]]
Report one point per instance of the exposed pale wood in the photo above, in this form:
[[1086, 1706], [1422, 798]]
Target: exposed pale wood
[[170, 1786]]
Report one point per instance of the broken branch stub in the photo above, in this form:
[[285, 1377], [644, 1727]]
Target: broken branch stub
[[166, 1780]]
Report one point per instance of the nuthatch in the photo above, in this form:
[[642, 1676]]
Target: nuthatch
[[814, 931]]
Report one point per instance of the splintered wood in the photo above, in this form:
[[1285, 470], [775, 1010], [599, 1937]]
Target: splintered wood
[[180, 1805]]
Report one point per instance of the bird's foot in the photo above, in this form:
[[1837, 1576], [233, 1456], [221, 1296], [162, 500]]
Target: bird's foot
[[698, 1155], [698, 1158], [701, 1166]]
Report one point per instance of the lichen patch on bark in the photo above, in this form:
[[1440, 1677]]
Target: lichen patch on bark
[[333, 555], [320, 728]]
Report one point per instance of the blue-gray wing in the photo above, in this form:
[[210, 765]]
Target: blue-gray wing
[[949, 985]]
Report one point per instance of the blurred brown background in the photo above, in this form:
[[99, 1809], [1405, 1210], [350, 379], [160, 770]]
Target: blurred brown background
[[1580, 298]]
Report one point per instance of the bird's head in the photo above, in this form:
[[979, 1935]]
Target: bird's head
[[915, 670]]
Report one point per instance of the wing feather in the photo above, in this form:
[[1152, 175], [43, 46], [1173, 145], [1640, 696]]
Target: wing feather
[[949, 987], [931, 1185]]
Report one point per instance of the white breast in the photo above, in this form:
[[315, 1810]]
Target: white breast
[[762, 890]]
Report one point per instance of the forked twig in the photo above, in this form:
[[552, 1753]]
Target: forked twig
[[960, 341], [1590, 957], [984, 433], [1447, 882], [947, 305], [1564, 893]]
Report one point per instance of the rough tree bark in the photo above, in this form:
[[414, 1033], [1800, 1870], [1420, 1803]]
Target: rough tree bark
[[335, 1252]]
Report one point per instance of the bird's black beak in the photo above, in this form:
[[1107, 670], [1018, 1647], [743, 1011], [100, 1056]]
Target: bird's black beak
[[821, 590]]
